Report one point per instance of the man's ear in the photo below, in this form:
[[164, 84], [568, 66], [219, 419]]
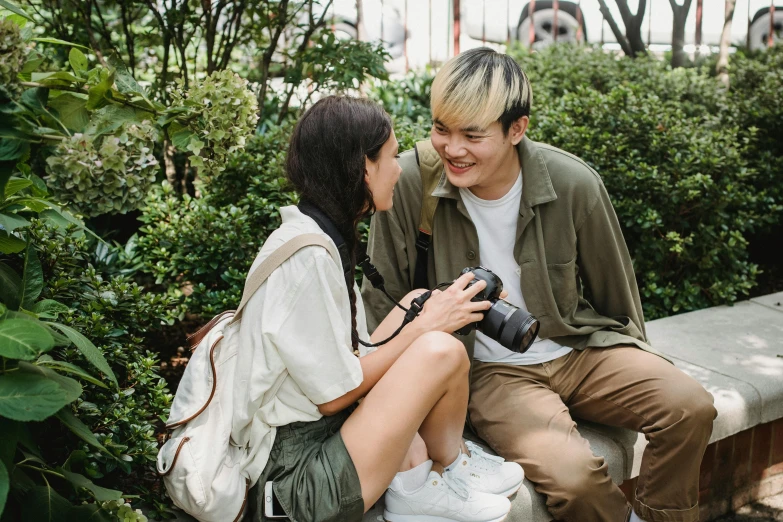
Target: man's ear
[[517, 130]]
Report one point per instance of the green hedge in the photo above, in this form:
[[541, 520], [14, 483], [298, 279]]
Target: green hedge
[[203, 247], [692, 171]]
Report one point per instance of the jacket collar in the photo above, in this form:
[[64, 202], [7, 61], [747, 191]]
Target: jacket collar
[[536, 183]]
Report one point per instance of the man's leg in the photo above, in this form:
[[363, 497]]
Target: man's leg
[[628, 387], [514, 409]]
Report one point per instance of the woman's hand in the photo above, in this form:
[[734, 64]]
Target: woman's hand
[[451, 309]]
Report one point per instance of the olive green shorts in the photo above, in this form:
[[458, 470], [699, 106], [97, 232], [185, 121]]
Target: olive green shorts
[[312, 473]]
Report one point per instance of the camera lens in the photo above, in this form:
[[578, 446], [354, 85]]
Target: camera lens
[[512, 327]]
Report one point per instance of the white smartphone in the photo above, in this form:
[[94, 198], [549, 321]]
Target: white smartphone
[[272, 507]]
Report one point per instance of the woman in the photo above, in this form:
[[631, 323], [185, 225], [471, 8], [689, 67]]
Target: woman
[[327, 458]]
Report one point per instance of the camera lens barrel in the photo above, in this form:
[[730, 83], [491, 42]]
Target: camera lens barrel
[[509, 325]]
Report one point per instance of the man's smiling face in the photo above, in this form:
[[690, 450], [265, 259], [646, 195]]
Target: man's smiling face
[[478, 158]]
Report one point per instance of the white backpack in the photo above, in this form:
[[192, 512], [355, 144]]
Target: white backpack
[[199, 463]]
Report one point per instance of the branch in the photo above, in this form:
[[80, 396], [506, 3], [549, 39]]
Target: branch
[[621, 39], [282, 20]]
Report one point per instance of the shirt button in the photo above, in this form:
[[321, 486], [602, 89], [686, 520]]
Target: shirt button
[[471, 255]]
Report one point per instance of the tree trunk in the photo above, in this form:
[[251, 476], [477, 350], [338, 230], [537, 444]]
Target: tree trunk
[[360, 20], [633, 26], [621, 39], [722, 68], [680, 13]]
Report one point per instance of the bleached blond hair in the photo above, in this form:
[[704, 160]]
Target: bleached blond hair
[[479, 87]]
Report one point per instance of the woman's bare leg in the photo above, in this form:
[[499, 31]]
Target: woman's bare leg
[[425, 390], [417, 454]]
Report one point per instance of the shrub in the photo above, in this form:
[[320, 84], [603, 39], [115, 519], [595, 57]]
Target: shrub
[[756, 95], [681, 189], [71, 319], [205, 245]]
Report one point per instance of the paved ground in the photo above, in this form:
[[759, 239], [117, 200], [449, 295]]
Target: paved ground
[[769, 509]]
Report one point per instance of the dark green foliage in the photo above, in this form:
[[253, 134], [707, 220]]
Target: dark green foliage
[[117, 316], [757, 98], [206, 245], [681, 189]]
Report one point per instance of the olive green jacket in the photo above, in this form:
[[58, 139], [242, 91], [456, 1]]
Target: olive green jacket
[[569, 246]]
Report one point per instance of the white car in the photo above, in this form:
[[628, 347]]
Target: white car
[[497, 20]]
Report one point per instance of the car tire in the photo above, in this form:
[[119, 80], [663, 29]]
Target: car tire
[[543, 17], [758, 32]]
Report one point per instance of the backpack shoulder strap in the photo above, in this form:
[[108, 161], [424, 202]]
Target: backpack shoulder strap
[[275, 259], [430, 168]]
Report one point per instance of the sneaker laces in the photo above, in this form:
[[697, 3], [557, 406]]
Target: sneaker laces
[[458, 485], [481, 459]]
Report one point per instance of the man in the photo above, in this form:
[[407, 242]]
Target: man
[[542, 220]]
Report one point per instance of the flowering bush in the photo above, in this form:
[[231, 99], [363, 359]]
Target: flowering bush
[[222, 112], [104, 174]]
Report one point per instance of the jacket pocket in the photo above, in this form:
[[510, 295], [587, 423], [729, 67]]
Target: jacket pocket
[[563, 282]]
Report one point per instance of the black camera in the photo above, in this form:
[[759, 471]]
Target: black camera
[[512, 327]]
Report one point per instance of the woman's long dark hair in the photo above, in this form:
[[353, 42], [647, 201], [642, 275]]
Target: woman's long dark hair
[[326, 166]]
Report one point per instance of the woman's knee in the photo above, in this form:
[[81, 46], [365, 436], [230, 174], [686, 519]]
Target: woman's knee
[[410, 296], [442, 350]]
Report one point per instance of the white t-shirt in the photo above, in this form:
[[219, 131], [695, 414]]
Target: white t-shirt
[[296, 327], [496, 225]]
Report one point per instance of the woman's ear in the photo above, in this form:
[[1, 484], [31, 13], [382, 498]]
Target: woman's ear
[[369, 166]]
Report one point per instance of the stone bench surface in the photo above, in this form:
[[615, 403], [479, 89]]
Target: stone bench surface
[[736, 352]]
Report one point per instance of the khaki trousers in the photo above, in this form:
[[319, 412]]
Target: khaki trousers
[[525, 414]]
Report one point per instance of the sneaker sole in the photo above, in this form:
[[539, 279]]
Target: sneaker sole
[[393, 517]]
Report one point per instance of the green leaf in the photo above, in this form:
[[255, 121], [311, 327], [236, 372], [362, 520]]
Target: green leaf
[[59, 42], [89, 350], [10, 287], [36, 99], [10, 244], [21, 12], [78, 61], [32, 278], [180, 136], [97, 93], [5, 483], [44, 504], [57, 79], [35, 396], [11, 431], [63, 366], [14, 185], [26, 340], [11, 222], [110, 118], [49, 308], [100, 494], [72, 110], [32, 64], [80, 430]]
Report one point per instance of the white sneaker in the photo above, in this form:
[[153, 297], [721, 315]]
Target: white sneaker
[[487, 473], [442, 499]]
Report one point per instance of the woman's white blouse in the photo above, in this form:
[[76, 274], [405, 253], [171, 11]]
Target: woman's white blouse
[[294, 335]]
